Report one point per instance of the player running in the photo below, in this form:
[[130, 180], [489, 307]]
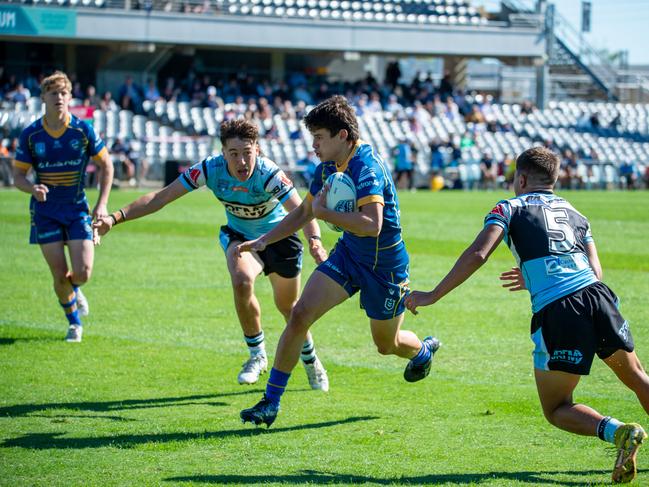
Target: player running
[[370, 257], [57, 148], [256, 195], [575, 315]]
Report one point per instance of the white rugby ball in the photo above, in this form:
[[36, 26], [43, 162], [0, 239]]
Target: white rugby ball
[[341, 196]]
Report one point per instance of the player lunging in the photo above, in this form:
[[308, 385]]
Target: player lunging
[[57, 148], [256, 195], [575, 315], [370, 257]]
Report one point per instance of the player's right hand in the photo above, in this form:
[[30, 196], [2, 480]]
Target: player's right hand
[[514, 279], [39, 191], [103, 225]]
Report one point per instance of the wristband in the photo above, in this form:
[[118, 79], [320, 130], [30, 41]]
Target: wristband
[[113, 218], [123, 214]]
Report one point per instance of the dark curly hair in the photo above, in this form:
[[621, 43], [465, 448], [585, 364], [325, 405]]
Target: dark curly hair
[[539, 163], [334, 114]]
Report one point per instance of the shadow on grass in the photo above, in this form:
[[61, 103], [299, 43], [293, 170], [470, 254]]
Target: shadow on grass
[[12, 341], [315, 477], [17, 410], [45, 441]]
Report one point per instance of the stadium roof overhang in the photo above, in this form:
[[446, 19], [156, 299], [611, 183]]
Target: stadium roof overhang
[[265, 33]]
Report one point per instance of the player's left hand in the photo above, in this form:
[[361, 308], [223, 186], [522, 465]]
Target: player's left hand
[[514, 279], [418, 298], [256, 245], [319, 203], [317, 251]]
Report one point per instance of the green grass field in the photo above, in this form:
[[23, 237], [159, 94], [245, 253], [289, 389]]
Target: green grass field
[[150, 397]]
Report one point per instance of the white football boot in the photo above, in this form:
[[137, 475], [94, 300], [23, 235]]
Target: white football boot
[[74, 334], [253, 368], [82, 303], [317, 375]]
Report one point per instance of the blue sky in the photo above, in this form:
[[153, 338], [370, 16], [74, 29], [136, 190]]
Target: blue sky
[[615, 24]]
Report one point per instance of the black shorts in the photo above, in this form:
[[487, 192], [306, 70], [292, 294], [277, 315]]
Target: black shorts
[[283, 258], [568, 332]]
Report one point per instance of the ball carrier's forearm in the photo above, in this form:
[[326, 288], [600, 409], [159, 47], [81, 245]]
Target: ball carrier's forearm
[[291, 223]]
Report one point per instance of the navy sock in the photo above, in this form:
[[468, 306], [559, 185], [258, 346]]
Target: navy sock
[[276, 385], [72, 316], [423, 356]]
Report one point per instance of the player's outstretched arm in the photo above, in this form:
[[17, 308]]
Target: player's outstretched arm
[[291, 223], [311, 230], [470, 261], [365, 223], [106, 173], [145, 205], [513, 279]]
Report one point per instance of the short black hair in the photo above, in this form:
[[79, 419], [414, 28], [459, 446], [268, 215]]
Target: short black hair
[[334, 114], [238, 129], [540, 164]]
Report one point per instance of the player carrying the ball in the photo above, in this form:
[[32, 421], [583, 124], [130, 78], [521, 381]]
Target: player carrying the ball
[[256, 195], [370, 257], [575, 314]]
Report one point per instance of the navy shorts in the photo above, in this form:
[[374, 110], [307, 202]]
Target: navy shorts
[[53, 221], [568, 332], [383, 290], [283, 258]]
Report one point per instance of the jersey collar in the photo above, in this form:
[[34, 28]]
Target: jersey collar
[[343, 167], [56, 133]]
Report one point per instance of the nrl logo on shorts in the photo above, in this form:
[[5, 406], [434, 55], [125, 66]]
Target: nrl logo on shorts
[[568, 356], [389, 304]]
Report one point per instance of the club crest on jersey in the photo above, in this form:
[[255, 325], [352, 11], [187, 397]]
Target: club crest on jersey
[[74, 144], [39, 148]]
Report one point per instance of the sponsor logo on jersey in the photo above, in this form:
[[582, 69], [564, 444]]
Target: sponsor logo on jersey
[[568, 356], [240, 188], [624, 331], [249, 212], [73, 162], [39, 148], [365, 184]]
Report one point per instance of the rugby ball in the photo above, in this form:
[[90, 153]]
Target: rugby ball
[[341, 196]]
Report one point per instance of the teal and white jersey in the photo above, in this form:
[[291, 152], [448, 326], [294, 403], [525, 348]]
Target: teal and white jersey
[[548, 238], [252, 207]]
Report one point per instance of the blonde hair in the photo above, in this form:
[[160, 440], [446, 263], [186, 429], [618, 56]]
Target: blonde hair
[[55, 79]]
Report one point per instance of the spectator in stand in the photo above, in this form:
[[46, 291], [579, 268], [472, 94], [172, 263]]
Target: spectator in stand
[[130, 97], [107, 103], [20, 94], [445, 87], [394, 107], [392, 74], [628, 175], [91, 99], [125, 167], [151, 93], [568, 174], [302, 94], [404, 155], [476, 116], [488, 171], [77, 91], [7, 155], [374, 104], [307, 166], [437, 159]]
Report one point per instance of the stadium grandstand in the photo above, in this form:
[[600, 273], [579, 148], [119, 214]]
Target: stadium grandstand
[[157, 77]]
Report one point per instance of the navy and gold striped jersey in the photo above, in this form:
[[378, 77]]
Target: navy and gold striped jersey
[[59, 158], [373, 183]]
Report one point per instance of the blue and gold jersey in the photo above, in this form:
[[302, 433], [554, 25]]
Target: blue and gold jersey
[[548, 238], [253, 207], [59, 158], [373, 184]]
